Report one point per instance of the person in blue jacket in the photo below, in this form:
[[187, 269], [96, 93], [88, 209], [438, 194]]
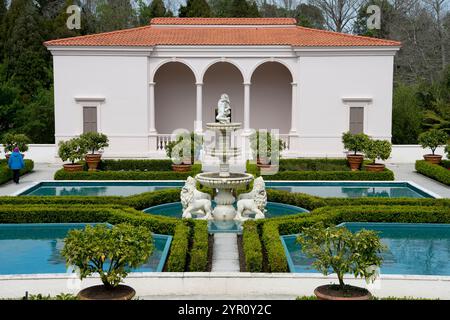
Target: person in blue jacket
[[16, 163]]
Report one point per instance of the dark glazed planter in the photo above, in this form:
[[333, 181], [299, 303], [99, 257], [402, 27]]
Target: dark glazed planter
[[100, 292], [92, 161], [432, 158], [355, 161], [333, 292], [72, 167], [181, 167], [377, 167]]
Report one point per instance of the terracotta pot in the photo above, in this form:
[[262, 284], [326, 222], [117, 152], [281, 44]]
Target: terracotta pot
[[259, 163], [330, 292], [432, 158], [355, 160], [72, 167], [181, 167], [100, 292], [377, 167], [92, 161]]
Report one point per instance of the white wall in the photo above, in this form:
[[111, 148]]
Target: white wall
[[123, 83], [410, 153], [44, 153], [322, 84]]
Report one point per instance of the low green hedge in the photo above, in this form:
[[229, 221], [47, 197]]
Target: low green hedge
[[135, 165], [179, 249], [139, 202], [6, 174], [319, 169], [434, 171], [273, 228], [252, 247], [198, 258], [126, 175]]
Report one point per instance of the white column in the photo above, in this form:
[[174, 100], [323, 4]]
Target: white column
[[199, 109], [247, 106], [151, 98], [294, 109]]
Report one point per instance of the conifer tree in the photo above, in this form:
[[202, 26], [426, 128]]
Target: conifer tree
[[195, 8]]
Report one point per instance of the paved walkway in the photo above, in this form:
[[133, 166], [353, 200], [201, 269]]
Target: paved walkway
[[407, 172], [225, 253], [42, 171]]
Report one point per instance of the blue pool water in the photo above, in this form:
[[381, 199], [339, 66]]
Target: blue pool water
[[413, 249], [35, 248], [337, 189]]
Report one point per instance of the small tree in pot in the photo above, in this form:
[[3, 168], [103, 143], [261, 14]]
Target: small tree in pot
[[338, 250], [262, 143], [377, 149], [110, 252], [433, 139], [184, 150], [94, 141], [354, 143], [11, 141], [72, 150]]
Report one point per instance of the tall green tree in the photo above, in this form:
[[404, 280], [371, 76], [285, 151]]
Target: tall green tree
[[26, 59], [154, 9], [243, 9], [115, 15], [310, 16], [195, 8]]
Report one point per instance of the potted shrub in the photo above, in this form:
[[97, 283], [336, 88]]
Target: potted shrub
[[110, 252], [338, 250], [354, 143], [377, 149], [433, 139], [72, 150], [184, 150], [262, 148], [10, 141], [94, 141]]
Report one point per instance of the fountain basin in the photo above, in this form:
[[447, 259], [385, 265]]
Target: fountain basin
[[233, 181]]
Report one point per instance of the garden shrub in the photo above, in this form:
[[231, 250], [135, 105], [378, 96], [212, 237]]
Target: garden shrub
[[6, 174], [274, 248], [179, 249], [136, 165], [199, 250], [126, 175], [252, 247], [434, 171]]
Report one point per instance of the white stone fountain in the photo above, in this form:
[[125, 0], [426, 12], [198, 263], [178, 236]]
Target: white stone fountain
[[224, 181]]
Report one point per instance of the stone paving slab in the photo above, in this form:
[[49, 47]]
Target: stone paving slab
[[226, 255]]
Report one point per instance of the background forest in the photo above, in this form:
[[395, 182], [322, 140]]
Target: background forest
[[422, 72]]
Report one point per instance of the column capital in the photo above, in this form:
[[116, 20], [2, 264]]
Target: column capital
[[294, 84], [199, 83], [151, 83], [247, 83]]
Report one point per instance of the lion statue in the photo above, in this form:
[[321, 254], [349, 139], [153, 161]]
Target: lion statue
[[194, 201], [253, 202]]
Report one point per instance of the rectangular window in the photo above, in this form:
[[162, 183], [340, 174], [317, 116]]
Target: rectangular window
[[357, 120], [89, 119]]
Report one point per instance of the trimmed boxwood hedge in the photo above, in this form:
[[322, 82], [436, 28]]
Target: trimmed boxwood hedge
[[187, 234], [6, 174], [434, 171], [135, 165], [126, 175], [320, 169], [273, 228], [252, 247]]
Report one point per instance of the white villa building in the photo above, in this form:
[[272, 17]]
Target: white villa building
[[139, 85]]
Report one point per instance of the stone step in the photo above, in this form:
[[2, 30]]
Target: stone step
[[225, 253]]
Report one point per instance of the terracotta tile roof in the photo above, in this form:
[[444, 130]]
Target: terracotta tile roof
[[198, 36], [223, 21]]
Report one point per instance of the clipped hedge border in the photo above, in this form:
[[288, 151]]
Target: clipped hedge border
[[433, 171], [273, 228], [135, 165], [386, 175], [6, 174], [252, 247], [126, 175], [176, 261], [198, 257]]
